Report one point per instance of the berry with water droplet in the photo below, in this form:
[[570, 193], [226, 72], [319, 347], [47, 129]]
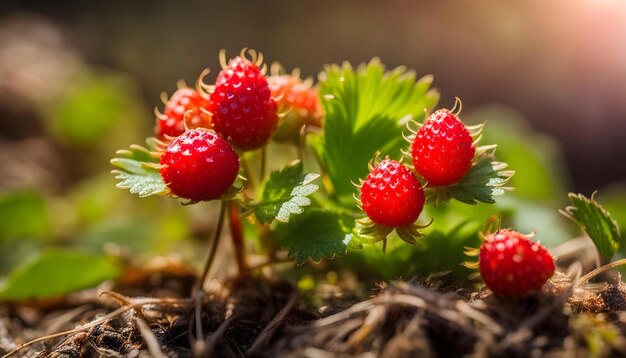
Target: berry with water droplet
[[511, 264], [443, 149], [199, 165], [391, 195], [242, 106]]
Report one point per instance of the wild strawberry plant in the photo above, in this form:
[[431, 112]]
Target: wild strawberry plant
[[339, 126], [364, 132]]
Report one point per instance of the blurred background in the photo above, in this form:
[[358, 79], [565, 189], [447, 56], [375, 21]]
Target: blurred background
[[79, 80]]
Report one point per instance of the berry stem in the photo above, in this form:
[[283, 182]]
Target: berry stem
[[213, 248], [300, 143], [263, 163], [247, 170], [236, 232]]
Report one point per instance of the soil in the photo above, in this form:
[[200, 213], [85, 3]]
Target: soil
[[150, 314]]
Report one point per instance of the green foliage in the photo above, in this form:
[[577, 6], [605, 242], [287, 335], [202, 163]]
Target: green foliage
[[315, 234], [138, 178], [91, 109], [540, 177], [23, 214], [366, 110], [139, 172], [485, 180], [539, 169], [285, 193], [614, 201], [596, 222], [56, 273], [439, 252]]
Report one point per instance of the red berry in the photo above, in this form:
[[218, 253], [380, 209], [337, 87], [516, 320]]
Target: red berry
[[242, 106], [199, 165], [172, 122], [300, 103], [513, 265], [443, 149], [391, 195]]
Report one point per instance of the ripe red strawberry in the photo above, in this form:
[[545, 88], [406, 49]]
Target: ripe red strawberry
[[513, 265], [172, 122], [391, 195], [298, 100], [443, 149], [199, 165], [242, 106]]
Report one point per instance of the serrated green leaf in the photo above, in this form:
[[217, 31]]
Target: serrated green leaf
[[596, 222], [285, 193], [315, 234], [485, 180], [138, 172], [366, 110], [138, 178], [56, 273]]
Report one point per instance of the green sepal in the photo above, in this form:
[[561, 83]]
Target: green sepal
[[368, 232], [486, 179]]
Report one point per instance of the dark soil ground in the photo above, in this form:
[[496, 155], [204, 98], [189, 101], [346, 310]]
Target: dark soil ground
[[150, 314]]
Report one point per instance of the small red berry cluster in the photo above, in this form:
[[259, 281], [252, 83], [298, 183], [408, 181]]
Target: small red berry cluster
[[203, 127], [442, 152]]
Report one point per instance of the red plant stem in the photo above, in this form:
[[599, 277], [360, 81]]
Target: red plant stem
[[213, 247], [236, 232]]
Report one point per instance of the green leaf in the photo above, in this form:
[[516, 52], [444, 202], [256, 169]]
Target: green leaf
[[56, 273], [315, 234], [596, 222], [90, 111], [485, 180], [539, 170], [614, 201], [24, 214], [139, 172], [285, 193], [366, 111], [438, 251]]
